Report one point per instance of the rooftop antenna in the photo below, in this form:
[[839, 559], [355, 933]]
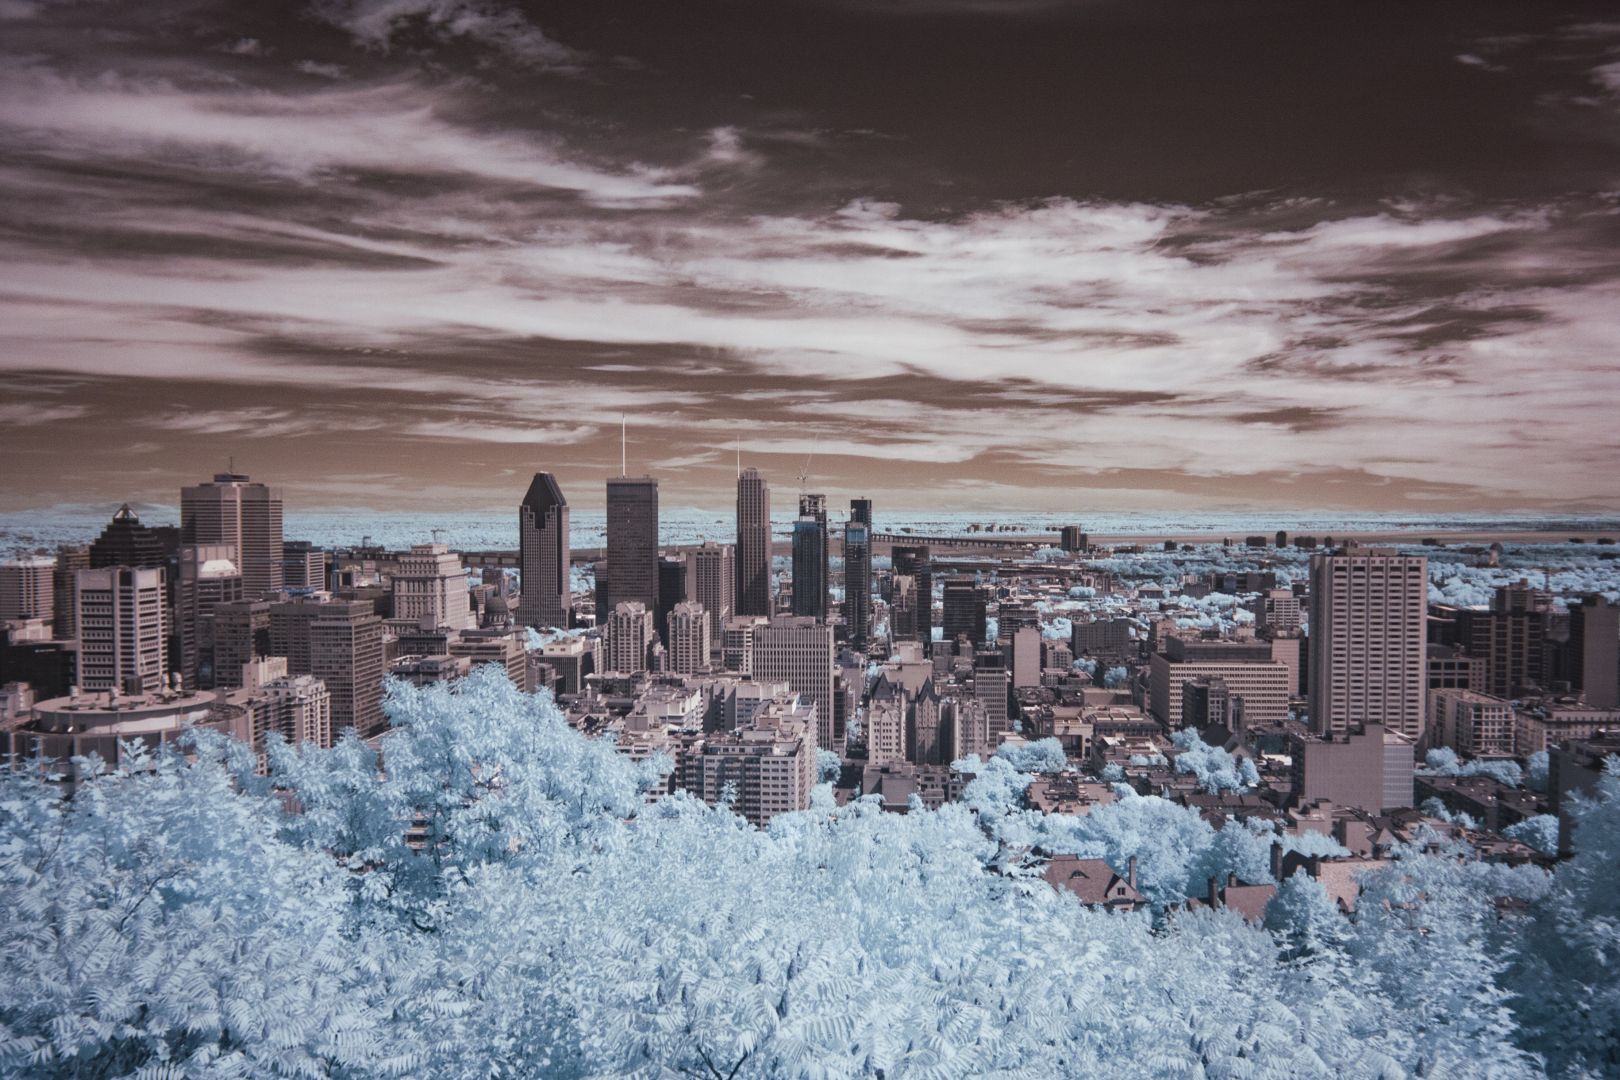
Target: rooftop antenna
[[437, 532], [624, 454], [739, 455], [230, 464]]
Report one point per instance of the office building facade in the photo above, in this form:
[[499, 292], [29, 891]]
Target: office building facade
[[232, 509], [543, 554]]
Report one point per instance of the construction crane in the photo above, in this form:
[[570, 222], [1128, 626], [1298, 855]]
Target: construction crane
[[804, 474]]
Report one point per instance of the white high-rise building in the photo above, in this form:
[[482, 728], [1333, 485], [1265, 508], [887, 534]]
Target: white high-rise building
[[234, 510], [797, 650], [430, 588], [629, 634], [123, 629], [690, 645], [1367, 659]]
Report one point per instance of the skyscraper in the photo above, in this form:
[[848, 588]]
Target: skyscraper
[[913, 561], [1594, 651], [122, 629], [70, 559], [346, 652], [1509, 639], [671, 591], [810, 567], [689, 640], [241, 633], [753, 592], [232, 509], [858, 576], [799, 651], [992, 686], [1367, 658], [126, 542], [303, 565], [815, 506], [711, 580], [208, 577], [861, 510], [28, 589], [430, 588], [629, 635], [632, 542], [543, 554], [964, 610]]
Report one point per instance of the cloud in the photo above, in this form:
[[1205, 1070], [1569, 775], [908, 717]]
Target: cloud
[[378, 24], [395, 127], [19, 414], [543, 434], [460, 250], [325, 71]]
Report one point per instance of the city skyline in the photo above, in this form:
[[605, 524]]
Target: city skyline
[[1145, 256]]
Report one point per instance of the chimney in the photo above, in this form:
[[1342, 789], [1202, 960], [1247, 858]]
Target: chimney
[[1214, 893], [1130, 872], [1276, 860], [1231, 879]]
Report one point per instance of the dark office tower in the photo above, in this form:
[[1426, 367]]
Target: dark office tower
[[914, 562], [1594, 651], [543, 554], [231, 509], [70, 559], [126, 542], [599, 591], [964, 610], [303, 565], [671, 591], [858, 576], [753, 558], [861, 510], [815, 506], [1072, 538], [809, 568], [632, 542]]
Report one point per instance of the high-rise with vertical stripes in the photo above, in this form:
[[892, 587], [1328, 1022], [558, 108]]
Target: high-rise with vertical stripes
[[1367, 659], [232, 509]]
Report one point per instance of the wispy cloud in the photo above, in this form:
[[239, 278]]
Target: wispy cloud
[[379, 24]]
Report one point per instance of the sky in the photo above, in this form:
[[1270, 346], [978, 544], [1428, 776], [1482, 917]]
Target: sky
[[956, 254]]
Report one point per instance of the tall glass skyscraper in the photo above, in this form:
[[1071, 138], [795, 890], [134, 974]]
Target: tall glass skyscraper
[[753, 556], [632, 542]]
